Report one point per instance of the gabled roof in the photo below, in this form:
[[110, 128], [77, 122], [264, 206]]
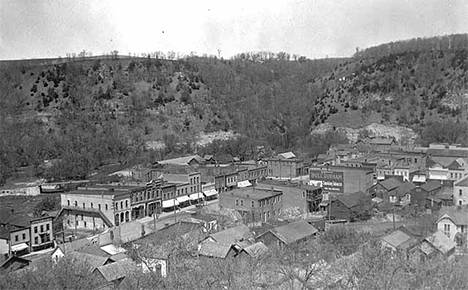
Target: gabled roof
[[390, 183], [463, 182], [458, 214], [353, 199], [396, 238], [294, 231], [232, 235], [403, 189], [455, 165], [287, 155], [256, 250], [94, 250], [182, 160], [441, 242], [117, 270], [431, 185], [90, 260], [74, 245], [212, 249]]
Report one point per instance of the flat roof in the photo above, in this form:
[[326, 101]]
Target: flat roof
[[254, 193]]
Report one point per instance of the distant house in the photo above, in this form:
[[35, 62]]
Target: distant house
[[209, 159], [223, 244], [192, 160], [435, 245], [381, 144], [382, 188], [288, 235], [398, 241], [402, 194], [453, 222], [350, 207], [231, 236], [419, 194], [460, 192]]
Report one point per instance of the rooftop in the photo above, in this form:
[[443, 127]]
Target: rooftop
[[390, 183], [353, 199], [463, 182], [431, 185], [396, 238], [403, 189], [182, 160], [294, 231], [254, 193], [458, 214], [117, 270], [232, 235], [441, 242]]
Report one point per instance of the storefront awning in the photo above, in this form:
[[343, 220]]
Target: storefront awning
[[210, 192], [19, 247], [196, 196], [170, 203], [183, 198]]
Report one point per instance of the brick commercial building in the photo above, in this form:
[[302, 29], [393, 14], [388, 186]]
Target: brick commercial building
[[342, 179], [283, 168], [254, 204]]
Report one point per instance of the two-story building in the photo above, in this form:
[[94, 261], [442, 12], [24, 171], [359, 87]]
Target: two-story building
[[460, 192], [453, 222], [254, 204], [285, 168], [21, 235]]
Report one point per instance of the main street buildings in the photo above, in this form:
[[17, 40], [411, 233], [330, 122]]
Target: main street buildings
[[102, 206]]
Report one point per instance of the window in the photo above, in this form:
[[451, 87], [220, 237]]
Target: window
[[447, 230], [92, 205], [126, 202], [24, 236], [99, 206], [68, 202], [42, 228], [462, 229], [76, 203], [242, 202], [85, 224], [460, 192], [116, 206], [36, 240], [35, 229], [84, 205], [16, 238], [303, 195], [47, 227], [237, 202], [252, 204], [460, 202], [121, 205]]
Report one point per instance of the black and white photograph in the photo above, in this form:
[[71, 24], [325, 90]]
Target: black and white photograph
[[233, 145]]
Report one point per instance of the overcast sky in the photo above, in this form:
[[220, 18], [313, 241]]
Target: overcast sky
[[316, 29]]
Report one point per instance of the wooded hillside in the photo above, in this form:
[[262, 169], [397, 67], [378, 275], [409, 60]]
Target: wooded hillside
[[82, 113]]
